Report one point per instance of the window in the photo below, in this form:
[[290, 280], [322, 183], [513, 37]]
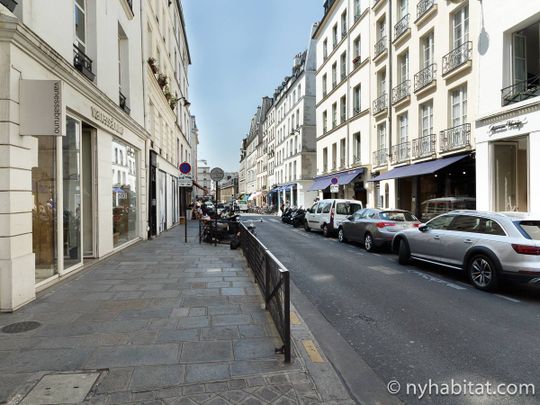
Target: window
[[356, 99], [356, 49], [334, 156], [343, 112], [426, 50], [426, 118], [441, 222], [334, 115], [381, 78], [342, 152], [325, 160], [324, 84], [344, 24], [356, 147], [343, 65], [403, 71], [325, 121], [460, 27], [381, 136], [334, 75], [403, 8], [326, 207], [403, 127], [334, 36], [381, 29], [458, 104], [80, 24], [325, 49], [357, 10]]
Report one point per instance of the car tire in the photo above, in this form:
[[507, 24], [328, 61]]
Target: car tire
[[341, 235], [306, 226], [404, 252], [482, 272], [368, 242], [326, 231]]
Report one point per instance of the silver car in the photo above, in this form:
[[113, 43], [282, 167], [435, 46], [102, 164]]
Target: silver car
[[488, 246], [375, 228]]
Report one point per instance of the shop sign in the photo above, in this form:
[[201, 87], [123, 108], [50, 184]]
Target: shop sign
[[334, 188], [185, 180], [42, 108], [106, 120], [508, 125]]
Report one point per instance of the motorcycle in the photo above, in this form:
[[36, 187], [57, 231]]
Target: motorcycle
[[287, 215], [298, 217]]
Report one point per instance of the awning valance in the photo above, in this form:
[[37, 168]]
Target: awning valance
[[418, 169]]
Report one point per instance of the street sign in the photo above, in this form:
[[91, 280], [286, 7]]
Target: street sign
[[334, 180], [185, 180], [185, 168], [217, 174], [334, 188]]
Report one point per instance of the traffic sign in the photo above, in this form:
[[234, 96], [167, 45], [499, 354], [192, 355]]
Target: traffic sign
[[217, 173], [185, 168], [334, 188], [185, 180], [334, 180]]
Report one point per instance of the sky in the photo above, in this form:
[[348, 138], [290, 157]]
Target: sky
[[241, 50]]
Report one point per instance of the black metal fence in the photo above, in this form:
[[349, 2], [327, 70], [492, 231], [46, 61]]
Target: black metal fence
[[273, 280]]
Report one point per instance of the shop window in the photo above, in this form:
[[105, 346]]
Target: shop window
[[510, 177]]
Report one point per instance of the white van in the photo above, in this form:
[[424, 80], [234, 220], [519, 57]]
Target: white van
[[327, 215]]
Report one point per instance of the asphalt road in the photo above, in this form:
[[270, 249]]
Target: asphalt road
[[415, 323]]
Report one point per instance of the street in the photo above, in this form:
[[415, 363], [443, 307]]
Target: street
[[413, 323]]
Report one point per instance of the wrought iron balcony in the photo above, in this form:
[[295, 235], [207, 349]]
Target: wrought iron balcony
[[521, 90], [401, 152], [380, 47], [423, 7], [380, 104], [457, 57], [424, 146], [379, 157], [425, 76], [401, 91], [455, 138], [123, 103], [83, 63], [401, 26]]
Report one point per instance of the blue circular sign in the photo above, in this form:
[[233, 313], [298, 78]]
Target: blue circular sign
[[185, 168], [334, 180]]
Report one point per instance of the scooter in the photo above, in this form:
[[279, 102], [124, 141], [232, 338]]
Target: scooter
[[298, 217], [287, 215]]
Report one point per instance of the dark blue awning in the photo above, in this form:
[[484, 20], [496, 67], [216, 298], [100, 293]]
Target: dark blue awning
[[320, 183], [418, 169]]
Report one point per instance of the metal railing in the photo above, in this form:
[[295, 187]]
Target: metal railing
[[401, 91], [123, 103], [379, 47], [272, 277], [379, 157], [455, 138], [425, 77], [424, 146], [457, 57], [521, 90], [83, 63], [380, 103], [401, 26], [401, 152], [423, 7]]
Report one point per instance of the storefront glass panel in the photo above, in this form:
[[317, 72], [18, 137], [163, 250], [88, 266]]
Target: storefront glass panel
[[510, 183], [124, 192], [44, 209]]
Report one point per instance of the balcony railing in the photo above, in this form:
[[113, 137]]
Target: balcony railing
[[83, 63], [424, 146], [423, 7], [123, 103], [455, 138], [401, 91], [380, 47], [401, 152], [457, 57], [521, 90], [401, 26], [380, 104], [425, 76], [379, 157]]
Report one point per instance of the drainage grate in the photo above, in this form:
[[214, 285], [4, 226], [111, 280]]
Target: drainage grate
[[21, 327], [64, 388]]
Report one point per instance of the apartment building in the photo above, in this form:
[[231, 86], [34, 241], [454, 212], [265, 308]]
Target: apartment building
[[269, 135], [343, 100], [424, 98], [204, 182], [508, 121], [75, 182], [166, 51], [242, 185]]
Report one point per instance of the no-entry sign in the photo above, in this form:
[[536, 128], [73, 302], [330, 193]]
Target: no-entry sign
[[185, 168]]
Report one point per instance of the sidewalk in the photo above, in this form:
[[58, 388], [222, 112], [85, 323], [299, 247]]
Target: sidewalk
[[162, 322]]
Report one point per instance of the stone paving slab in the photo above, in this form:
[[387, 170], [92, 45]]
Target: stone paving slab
[[163, 322]]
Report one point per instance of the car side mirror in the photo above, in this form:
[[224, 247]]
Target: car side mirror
[[423, 228]]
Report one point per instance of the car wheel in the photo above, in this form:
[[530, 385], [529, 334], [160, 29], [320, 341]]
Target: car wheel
[[483, 273], [306, 226], [325, 231], [404, 253], [341, 236], [368, 242]]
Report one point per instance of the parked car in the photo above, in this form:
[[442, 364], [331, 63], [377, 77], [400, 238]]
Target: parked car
[[327, 215], [375, 228], [242, 206], [488, 246], [429, 209]]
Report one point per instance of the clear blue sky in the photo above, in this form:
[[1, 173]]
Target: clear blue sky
[[241, 50]]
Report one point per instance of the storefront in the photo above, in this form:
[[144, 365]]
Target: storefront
[[347, 185]]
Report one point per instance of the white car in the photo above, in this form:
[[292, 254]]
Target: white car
[[242, 206], [327, 215]]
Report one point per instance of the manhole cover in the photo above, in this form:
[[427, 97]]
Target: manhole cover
[[61, 389], [21, 327]]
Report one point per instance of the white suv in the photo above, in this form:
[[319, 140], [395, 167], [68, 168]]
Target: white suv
[[327, 215]]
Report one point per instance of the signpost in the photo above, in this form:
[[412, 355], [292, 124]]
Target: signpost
[[185, 179], [217, 174], [334, 185]]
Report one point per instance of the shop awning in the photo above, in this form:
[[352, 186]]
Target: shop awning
[[286, 187], [418, 169], [320, 183], [254, 195]]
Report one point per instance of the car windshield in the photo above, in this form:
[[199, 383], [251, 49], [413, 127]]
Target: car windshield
[[529, 229], [397, 216]]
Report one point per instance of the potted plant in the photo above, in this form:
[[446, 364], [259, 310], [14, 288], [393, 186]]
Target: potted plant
[[167, 93], [173, 102], [153, 65], [163, 80]]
